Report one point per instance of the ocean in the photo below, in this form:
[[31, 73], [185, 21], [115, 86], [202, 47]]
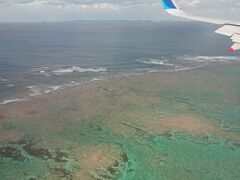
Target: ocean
[[38, 58], [119, 101]]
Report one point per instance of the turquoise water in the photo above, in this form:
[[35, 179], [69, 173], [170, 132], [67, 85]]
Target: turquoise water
[[122, 129]]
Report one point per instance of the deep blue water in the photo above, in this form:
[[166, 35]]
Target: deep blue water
[[38, 57]]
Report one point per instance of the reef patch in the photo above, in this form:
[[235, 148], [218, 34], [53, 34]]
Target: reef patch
[[184, 124], [11, 153], [45, 154], [105, 162]]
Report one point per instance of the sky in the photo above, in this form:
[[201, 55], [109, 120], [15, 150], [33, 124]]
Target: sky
[[64, 10]]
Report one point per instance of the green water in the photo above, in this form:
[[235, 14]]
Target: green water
[[106, 133]]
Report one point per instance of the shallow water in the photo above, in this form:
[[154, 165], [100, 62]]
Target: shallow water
[[165, 125]]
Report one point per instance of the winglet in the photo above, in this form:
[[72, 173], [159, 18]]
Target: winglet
[[168, 4], [235, 46]]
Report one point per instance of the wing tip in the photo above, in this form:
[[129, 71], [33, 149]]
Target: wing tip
[[168, 4]]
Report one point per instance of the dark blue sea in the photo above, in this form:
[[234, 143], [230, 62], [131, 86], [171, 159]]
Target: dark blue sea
[[39, 58]]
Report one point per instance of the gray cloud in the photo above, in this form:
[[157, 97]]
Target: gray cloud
[[39, 10], [81, 2]]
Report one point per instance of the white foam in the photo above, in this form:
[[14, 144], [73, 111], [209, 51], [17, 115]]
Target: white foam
[[52, 88], [211, 58], [96, 79], [3, 79], [44, 89], [35, 90], [157, 62], [177, 69], [77, 69], [71, 85], [41, 71], [11, 101], [185, 68]]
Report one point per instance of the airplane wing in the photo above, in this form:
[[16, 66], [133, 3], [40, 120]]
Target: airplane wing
[[229, 28]]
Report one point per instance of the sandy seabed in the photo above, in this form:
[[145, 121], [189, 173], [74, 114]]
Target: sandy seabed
[[163, 125]]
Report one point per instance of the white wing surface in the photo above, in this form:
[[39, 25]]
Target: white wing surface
[[229, 28]]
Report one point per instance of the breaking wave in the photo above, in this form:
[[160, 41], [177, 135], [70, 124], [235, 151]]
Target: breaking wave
[[37, 90], [189, 61], [11, 101], [211, 58], [157, 62], [47, 71], [3, 79], [77, 69]]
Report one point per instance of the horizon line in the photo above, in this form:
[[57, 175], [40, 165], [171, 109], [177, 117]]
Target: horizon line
[[143, 21]]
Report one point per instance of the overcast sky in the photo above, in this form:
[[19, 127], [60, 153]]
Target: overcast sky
[[60, 10]]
